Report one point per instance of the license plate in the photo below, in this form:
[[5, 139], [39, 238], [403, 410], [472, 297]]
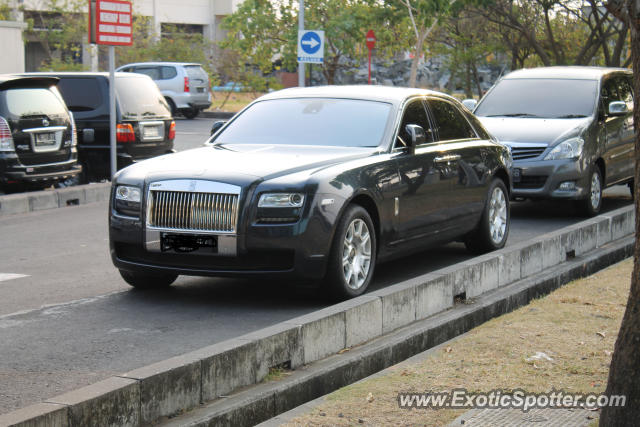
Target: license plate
[[200, 90], [45, 139], [187, 243], [151, 131], [516, 174]]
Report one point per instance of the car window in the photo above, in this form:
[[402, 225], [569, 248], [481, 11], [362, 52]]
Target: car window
[[414, 114], [167, 73], [546, 98], [196, 72], [140, 98], [478, 127], [309, 121], [152, 72], [80, 94], [625, 91], [22, 102], [449, 122]]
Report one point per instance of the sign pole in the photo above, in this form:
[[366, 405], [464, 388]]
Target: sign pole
[[371, 43], [112, 111], [301, 72], [369, 66]]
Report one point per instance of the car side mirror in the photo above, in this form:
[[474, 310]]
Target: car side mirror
[[216, 126], [470, 104], [618, 108], [88, 136], [417, 137]]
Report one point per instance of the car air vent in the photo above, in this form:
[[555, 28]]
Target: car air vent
[[179, 210], [531, 181], [523, 152]]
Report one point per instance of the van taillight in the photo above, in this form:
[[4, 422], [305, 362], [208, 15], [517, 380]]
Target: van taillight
[[124, 133], [186, 84], [172, 130], [6, 140]]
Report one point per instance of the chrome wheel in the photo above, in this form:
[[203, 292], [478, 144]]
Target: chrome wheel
[[596, 191], [497, 215], [356, 254]]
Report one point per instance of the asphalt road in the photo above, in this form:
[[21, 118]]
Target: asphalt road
[[67, 319]]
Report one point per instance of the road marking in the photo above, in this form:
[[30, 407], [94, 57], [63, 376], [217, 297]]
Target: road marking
[[10, 276]]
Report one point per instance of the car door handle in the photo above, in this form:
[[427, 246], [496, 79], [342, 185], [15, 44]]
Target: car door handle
[[448, 158]]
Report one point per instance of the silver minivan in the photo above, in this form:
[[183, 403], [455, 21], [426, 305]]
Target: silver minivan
[[184, 85], [570, 130]]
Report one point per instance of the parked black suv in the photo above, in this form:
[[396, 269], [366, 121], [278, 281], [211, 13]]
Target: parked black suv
[[144, 124], [37, 134]]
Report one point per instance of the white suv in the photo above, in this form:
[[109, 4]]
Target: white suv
[[184, 85]]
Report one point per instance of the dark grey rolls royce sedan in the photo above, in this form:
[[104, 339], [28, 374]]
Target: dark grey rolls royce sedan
[[319, 183]]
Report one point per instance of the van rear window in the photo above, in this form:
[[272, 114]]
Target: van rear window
[[21, 102], [140, 98], [80, 94]]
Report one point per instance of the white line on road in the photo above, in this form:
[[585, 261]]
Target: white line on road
[[10, 276]]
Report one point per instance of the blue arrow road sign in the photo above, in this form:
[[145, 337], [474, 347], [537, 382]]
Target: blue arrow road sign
[[310, 42], [311, 46]]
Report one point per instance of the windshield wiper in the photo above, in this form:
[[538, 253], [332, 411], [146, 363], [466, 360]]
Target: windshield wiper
[[514, 115], [571, 116]]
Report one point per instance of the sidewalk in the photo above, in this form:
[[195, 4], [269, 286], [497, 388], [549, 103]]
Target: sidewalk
[[575, 328]]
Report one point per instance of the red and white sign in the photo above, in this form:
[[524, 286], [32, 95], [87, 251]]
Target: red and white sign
[[113, 22], [371, 39]]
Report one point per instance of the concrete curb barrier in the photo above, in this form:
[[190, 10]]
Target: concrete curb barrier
[[183, 383], [12, 204]]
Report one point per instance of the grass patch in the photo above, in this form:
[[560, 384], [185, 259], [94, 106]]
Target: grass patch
[[576, 326], [232, 101]]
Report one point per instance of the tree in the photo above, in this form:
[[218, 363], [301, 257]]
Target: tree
[[624, 375]]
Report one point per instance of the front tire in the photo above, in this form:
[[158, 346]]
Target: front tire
[[353, 254], [593, 203], [493, 229], [148, 281]]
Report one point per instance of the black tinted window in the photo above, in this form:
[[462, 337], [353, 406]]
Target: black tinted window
[[140, 98], [32, 102], [81, 94], [625, 91], [415, 114], [549, 98], [449, 122]]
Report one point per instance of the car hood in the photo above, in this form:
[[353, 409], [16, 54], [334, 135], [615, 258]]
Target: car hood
[[241, 164], [533, 130]]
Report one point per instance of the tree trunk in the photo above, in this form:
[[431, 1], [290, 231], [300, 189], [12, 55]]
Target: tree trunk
[[624, 374], [416, 58]]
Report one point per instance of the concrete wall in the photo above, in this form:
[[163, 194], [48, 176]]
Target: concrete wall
[[12, 47]]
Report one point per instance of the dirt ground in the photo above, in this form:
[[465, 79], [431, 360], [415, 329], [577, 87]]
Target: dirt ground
[[575, 326]]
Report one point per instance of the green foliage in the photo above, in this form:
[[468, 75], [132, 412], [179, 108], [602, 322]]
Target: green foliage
[[5, 11]]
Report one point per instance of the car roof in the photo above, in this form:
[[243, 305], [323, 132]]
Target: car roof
[[160, 63], [570, 72], [366, 92], [61, 74], [14, 80]]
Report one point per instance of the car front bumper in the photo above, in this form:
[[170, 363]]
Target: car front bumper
[[542, 179]]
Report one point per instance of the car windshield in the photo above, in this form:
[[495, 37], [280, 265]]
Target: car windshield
[[310, 121], [140, 98], [547, 98]]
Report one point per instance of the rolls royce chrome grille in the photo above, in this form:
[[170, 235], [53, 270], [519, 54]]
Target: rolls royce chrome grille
[[180, 210]]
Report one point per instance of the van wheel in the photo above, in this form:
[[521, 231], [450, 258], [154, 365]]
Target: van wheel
[[172, 107], [591, 205], [632, 189], [190, 113], [353, 254], [493, 229], [148, 281]]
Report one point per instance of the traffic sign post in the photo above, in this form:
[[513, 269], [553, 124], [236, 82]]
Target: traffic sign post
[[110, 24], [371, 44], [311, 46]]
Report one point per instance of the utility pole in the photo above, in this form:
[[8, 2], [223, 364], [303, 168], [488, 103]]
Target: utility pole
[[301, 73]]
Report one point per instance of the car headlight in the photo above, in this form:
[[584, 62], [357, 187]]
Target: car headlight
[[281, 200], [569, 149], [128, 200], [128, 193]]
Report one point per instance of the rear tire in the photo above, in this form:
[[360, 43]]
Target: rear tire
[[592, 204], [493, 230], [632, 189], [172, 107], [148, 281], [353, 254], [190, 113]]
